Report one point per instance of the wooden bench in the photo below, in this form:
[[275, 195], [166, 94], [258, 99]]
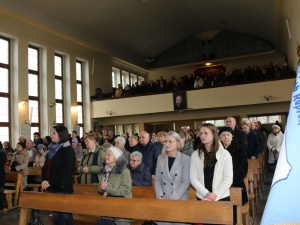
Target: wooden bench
[[141, 209], [16, 179], [148, 192], [34, 171]]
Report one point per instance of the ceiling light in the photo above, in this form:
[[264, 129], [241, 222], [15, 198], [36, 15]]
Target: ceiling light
[[149, 59], [207, 64]]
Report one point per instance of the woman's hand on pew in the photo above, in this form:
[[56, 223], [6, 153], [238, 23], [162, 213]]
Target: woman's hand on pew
[[211, 196], [104, 185]]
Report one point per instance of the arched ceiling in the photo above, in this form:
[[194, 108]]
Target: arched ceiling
[[124, 28]]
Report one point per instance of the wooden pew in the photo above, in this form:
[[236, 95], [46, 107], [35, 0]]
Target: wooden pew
[[34, 171], [16, 179], [141, 209], [148, 192]]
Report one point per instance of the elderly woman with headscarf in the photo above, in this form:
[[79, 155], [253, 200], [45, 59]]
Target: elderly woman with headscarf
[[140, 174], [89, 164], [239, 159], [115, 180]]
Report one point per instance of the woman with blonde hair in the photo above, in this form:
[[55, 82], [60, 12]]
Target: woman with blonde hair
[[211, 169], [89, 164]]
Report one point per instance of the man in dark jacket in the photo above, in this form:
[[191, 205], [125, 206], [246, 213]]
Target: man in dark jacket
[[238, 135], [253, 144], [149, 150]]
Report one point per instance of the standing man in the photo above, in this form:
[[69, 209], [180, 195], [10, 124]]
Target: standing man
[[37, 139], [149, 150], [238, 135], [253, 144]]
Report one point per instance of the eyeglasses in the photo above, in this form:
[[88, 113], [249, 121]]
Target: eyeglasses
[[134, 160], [53, 132], [168, 141]]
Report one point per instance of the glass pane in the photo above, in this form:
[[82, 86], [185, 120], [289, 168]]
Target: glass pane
[[4, 117], [220, 123], [79, 93], [141, 79], [133, 79], [78, 71], [210, 121], [33, 85], [4, 134], [58, 65], [4, 51], [272, 119], [113, 80], [33, 111], [59, 112], [80, 114], [4, 80], [80, 131], [58, 89], [32, 59], [34, 129], [263, 119]]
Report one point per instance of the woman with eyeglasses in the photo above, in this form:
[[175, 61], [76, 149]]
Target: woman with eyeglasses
[[57, 172], [172, 179], [140, 174], [211, 167], [89, 165]]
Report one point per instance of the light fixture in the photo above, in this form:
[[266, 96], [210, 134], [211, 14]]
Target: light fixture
[[52, 104], [24, 102], [74, 108], [109, 112], [207, 64], [149, 59], [268, 98]]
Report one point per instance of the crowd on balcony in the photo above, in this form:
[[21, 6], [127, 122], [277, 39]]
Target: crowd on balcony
[[194, 81]]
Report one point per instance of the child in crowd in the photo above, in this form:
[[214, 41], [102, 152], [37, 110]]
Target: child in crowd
[[8, 158]]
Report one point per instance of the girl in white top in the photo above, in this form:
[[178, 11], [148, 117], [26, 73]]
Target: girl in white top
[[211, 171]]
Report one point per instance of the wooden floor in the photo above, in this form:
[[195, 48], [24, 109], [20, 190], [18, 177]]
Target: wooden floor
[[12, 217]]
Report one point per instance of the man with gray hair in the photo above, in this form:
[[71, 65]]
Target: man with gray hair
[[149, 150], [238, 135]]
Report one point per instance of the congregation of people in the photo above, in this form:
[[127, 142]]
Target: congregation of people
[[201, 80], [210, 159]]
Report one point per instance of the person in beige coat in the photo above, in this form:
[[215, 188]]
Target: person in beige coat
[[22, 157]]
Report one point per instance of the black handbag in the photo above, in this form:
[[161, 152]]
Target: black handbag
[[106, 221], [35, 218], [14, 165]]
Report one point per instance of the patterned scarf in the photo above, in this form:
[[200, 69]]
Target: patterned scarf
[[52, 149]]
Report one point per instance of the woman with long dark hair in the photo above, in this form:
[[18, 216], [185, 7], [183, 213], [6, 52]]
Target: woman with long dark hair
[[57, 172], [211, 170]]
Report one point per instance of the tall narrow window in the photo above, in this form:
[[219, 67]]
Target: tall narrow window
[[58, 67], [115, 77], [125, 78], [4, 89], [33, 88], [79, 75]]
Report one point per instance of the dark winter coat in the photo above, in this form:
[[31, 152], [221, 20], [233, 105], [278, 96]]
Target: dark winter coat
[[240, 167], [150, 153], [141, 176]]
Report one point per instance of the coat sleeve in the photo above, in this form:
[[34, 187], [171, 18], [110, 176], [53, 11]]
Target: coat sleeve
[[146, 178], [227, 176], [24, 164], [196, 173], [241, 171], [185, 181], [158, 180]]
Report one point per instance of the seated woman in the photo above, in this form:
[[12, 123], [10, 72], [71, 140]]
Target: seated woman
[[77, 148], [20, 161], [172, 179], [115, 180], [161, 138], [89, 164], [140, 174], [211, 170], [239, 160], [39, 160]]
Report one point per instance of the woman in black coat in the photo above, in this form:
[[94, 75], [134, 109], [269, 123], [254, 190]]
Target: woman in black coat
[[57, 172], [140, 174], [239, 160]]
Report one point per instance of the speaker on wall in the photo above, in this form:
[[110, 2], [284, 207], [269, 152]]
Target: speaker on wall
[[288, 28]]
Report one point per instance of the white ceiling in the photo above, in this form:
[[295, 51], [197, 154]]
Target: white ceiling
[[124, 28]]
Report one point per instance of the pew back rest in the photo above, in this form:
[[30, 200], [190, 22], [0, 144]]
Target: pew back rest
[[145, 209]]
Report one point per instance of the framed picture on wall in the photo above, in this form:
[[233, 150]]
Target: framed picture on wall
[[96, 126], [179, 100]]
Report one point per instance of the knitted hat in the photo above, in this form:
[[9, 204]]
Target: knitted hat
[[115, 151], [224, 129], [276, 126]]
